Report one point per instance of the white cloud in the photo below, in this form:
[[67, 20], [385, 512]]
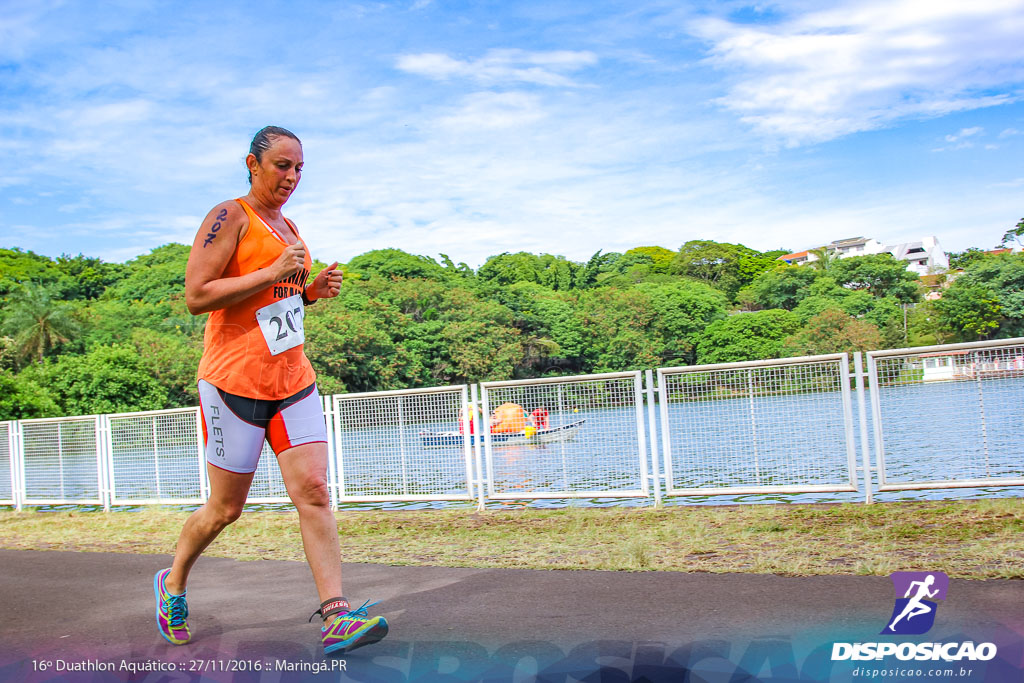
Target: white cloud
[[501, 66], [964, 133], [495, 110], [824, 74], [20, 26]]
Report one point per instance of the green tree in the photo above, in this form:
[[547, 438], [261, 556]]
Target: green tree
[[172, 360], [554, 272], [19, 268], [152, 278], [747, 336], [987, 300], [715, 263], [970, 309], [351, 352], [925, 325], [108, 379], [552, 334], [389, 263], [460, 271], [111, 321], [90, 276], [813, 305], [751, 264], [783, 287], [661, 258], [37, 323], [1014, 233], [478, 350], [879, 274], [682, 312], [962, 259], [832, 331], [22, 399], [416, 299], [8, 354], [590, 274], [619, 331], [824, 258], [479, 340]]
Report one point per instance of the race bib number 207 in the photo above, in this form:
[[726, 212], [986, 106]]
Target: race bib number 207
[[281, 324]]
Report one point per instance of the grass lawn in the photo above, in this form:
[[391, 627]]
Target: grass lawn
[[966, 539]]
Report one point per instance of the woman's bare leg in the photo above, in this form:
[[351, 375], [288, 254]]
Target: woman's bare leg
[[228, 491], [304, 469]]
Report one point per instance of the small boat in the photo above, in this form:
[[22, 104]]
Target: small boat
[[550, 435]]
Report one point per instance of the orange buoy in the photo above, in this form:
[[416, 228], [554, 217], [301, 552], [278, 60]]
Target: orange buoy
[[508, 418]]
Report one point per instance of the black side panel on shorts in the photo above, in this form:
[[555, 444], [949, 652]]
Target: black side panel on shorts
[[253, 410], [291, 400]]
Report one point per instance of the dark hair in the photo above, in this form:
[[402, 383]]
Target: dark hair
[[265, 138]]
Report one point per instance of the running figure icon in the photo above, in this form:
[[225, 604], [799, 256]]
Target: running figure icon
[[915, 607]]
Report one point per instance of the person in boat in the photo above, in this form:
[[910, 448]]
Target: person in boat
[[539, 418], [470, 415]]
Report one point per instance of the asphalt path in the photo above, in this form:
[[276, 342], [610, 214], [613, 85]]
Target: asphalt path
[[89, 617]]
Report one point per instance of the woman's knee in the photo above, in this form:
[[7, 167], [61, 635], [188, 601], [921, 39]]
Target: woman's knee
[[225, 513], [313, 490]]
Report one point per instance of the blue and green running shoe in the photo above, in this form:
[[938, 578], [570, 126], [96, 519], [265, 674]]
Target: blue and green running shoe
[[353, 629], [171, 611]]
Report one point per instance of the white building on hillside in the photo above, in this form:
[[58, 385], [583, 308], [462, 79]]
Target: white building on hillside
[[923, 257]]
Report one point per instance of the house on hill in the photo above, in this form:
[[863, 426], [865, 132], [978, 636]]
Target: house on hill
[[922, 257]]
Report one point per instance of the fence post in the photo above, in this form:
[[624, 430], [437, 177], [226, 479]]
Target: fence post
[[865, 451], [666, 447], [327, 407], [475, 437], [981, 406], [204, 485], [22, 478], [652, 428], [876, 415], [102, 425], [14, 441]]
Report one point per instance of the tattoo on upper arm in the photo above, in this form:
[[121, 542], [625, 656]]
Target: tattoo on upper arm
[[215, 228]]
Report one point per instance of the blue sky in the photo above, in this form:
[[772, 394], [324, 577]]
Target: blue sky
[[476, 128]]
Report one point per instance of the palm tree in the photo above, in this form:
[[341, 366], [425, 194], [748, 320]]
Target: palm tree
[[37, 323], [825, 258]]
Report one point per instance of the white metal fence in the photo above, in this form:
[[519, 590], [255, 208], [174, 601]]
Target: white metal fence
[[155, 457], [948, 416], [61, 461], [937, 417], [782, 426], [403, 445], [570, 437], [8, 466]]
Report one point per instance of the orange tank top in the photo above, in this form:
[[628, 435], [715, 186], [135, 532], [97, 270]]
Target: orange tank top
[[237, 355]]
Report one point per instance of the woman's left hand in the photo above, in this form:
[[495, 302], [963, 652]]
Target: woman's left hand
[[326, 284]]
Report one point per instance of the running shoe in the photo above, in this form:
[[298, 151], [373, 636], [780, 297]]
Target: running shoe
[[351, 630], [171, 611]]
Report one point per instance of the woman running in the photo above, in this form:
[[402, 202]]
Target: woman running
[[248, 268]]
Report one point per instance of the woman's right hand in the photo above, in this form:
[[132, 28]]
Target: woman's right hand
[[291, 261]]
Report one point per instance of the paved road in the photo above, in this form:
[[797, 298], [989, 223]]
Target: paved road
[[94, 612]]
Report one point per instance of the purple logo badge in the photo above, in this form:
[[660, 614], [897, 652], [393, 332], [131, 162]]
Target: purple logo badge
[[916, 593]]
